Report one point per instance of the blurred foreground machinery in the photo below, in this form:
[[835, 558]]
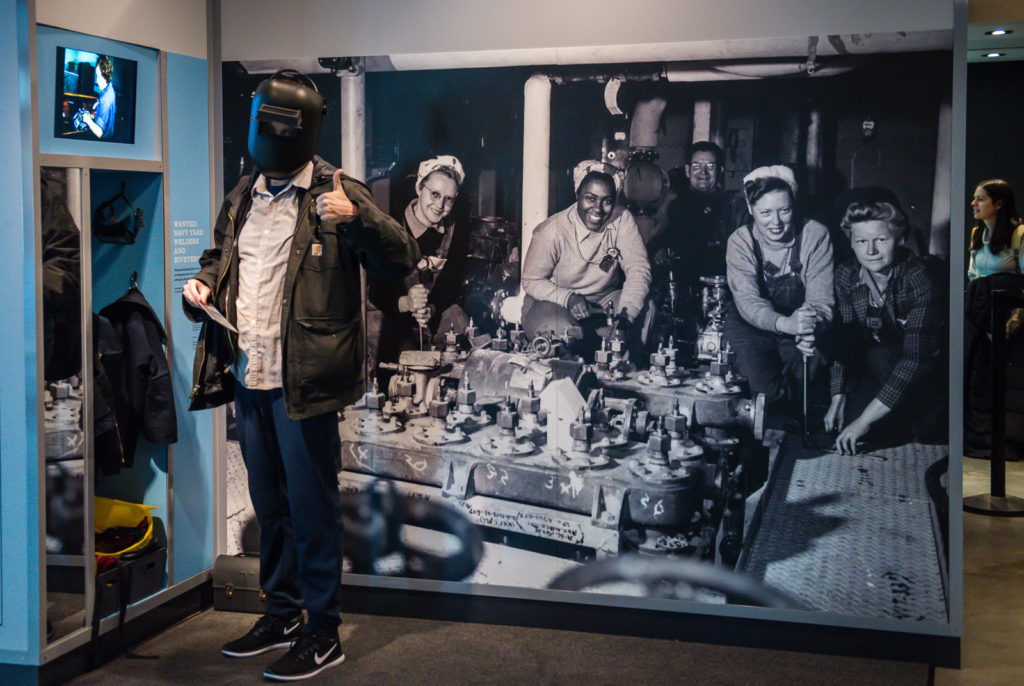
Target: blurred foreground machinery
[[570, 459]]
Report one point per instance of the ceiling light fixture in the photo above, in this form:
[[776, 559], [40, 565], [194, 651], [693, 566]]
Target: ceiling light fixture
[[998, 32], [994, 54]]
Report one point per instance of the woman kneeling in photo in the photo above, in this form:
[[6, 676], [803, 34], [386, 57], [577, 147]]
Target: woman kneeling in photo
[[891, 327]]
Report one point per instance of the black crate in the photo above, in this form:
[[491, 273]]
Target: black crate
[[143, 576]]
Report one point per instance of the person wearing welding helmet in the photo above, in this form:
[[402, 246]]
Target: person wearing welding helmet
[[284, 270], [585, 260], [779, 270]]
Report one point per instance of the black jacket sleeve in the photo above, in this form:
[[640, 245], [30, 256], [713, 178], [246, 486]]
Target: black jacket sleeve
[[209, 261]]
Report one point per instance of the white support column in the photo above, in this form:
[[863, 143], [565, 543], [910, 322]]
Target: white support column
[[701, 121], [938, 240], [812, 156], [536, 154], [353, 123]]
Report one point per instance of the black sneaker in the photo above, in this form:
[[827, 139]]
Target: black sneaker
[[269, 633], [309, 655]]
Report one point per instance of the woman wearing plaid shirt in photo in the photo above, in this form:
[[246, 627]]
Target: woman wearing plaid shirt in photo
[[891, 330]]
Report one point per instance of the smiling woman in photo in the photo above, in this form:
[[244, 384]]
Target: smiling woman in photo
[[428, 302], [780, 273], [585, 258]]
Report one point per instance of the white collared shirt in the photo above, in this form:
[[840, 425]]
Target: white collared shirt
[[264, 245]]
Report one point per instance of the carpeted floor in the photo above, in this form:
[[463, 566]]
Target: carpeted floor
[[391, 650]]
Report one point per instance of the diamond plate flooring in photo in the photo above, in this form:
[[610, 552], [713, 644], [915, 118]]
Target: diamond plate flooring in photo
[[821, 512]]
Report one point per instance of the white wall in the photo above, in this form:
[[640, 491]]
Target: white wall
[[254, 29], [175, 26]]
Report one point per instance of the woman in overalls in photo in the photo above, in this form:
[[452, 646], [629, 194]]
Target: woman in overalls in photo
[[780, 273], [419, 311]]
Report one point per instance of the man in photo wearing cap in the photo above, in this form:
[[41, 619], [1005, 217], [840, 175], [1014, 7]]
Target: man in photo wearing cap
[[284, 269]]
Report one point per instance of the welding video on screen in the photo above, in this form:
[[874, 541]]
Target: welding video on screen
[[95, 97]]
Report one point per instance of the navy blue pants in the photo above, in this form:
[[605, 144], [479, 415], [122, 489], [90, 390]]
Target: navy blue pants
[[293, 483]]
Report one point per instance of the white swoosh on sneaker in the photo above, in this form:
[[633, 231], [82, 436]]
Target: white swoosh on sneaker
[[319, 659], [292, 628]]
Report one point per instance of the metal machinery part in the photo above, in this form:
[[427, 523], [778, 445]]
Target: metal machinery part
[[714, 297], [651, 461]]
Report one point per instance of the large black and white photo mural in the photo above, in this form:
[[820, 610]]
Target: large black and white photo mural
[[679, 331]]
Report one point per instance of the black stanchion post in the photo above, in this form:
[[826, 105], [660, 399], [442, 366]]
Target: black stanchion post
[[997, 475], [996, 502]]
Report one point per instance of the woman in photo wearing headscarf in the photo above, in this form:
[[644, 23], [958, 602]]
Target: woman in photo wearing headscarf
[[779, 269], [584, 258], [890, 326], [427, 304]]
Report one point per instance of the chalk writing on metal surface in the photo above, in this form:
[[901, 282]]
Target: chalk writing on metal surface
[[573, 486], [419, 465]]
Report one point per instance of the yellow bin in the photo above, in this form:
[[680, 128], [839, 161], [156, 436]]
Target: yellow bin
[[110, 513]]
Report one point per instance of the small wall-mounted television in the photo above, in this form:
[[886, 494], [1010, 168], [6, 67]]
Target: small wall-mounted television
[[95, 97]]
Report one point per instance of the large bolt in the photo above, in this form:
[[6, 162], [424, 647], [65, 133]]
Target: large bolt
[[466, 395], [676, 424], [374, 398], [405, 387], [438, 409], [582, 434], [507, 417]]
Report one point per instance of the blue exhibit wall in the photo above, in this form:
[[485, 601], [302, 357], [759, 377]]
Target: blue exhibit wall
[[188, 155], [19, 463], [147, 138], [112, 267]]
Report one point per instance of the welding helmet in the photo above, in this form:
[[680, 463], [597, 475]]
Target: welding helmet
[[284, 123]]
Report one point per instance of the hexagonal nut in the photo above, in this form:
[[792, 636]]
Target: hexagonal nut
[[659, 443], [603, 356], [529, 405], [676, 423], [438, 409], [508, 420], [466, 396], [659, 359], [404, 388], [719, 368], [617, 346], [581, 431], [375, 401]]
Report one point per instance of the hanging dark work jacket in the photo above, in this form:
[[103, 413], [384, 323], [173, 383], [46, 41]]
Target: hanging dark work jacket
[[62, 332], [141, 385]]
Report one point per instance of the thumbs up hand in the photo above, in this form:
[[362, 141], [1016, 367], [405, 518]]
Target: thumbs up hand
[[335, 207]]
